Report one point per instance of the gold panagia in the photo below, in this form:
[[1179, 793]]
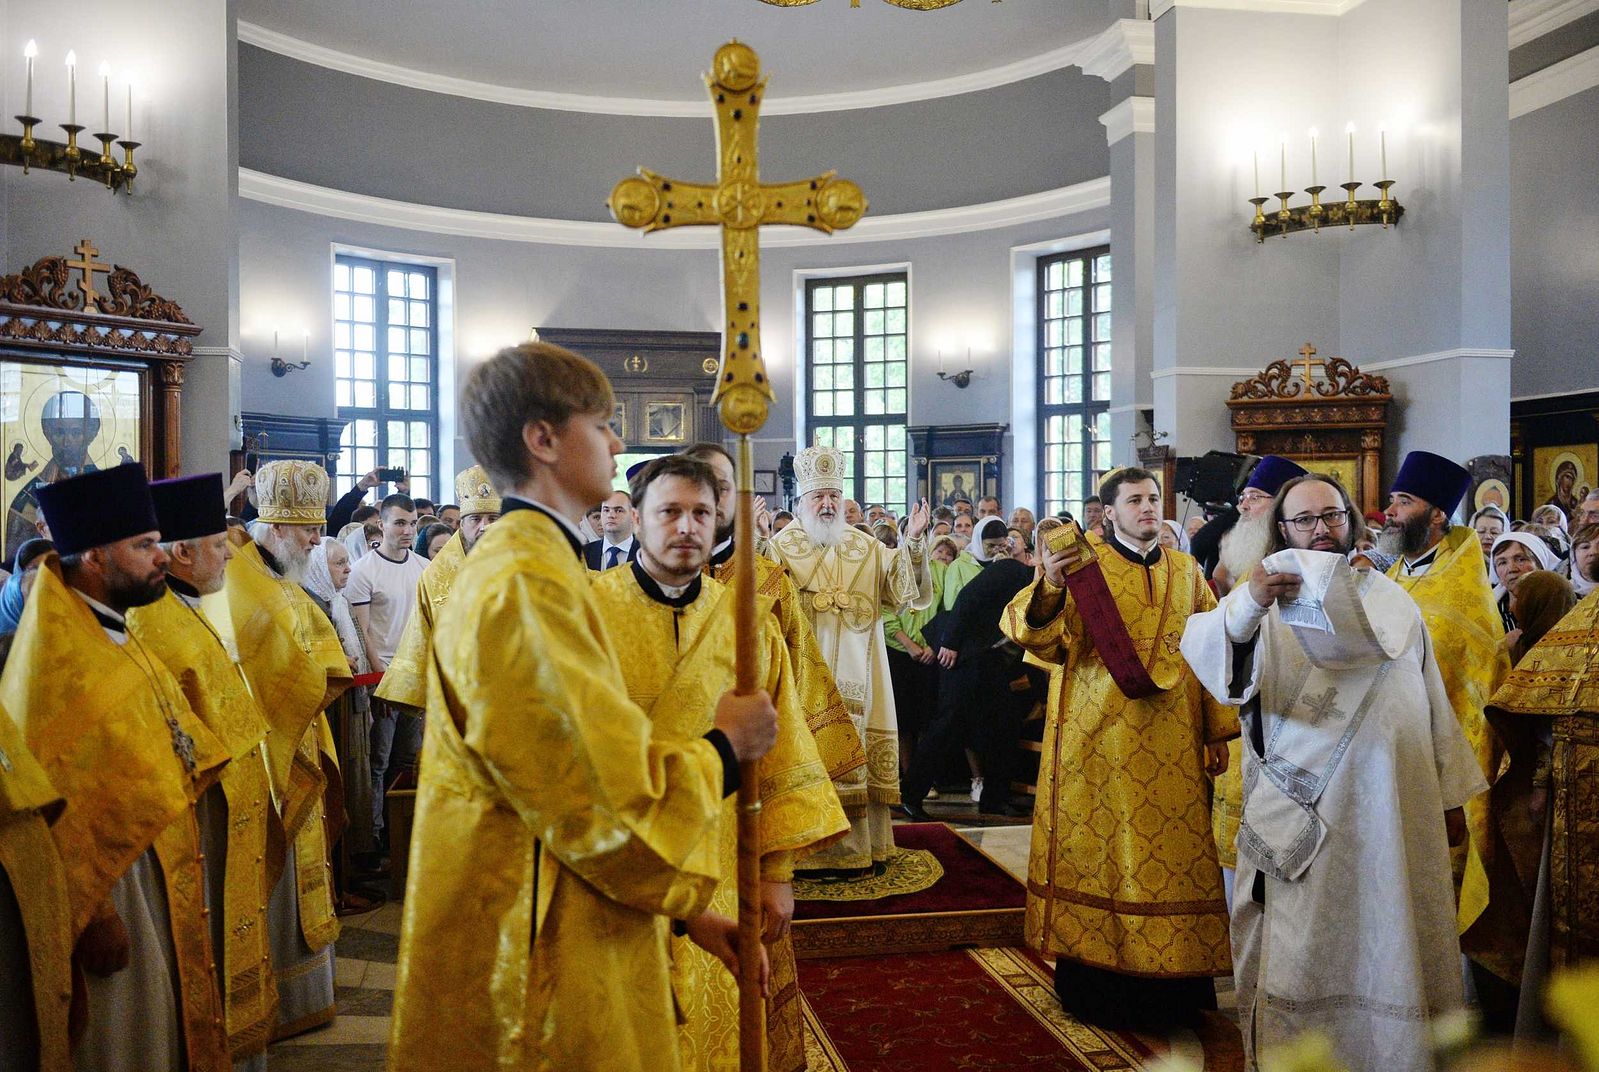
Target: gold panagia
[[405, 681], [1559, 680], [1123, 873], [553, 835], [1458, 606], [826, 714], [115, 735], [675, 665], [187, 643], [28, 805]]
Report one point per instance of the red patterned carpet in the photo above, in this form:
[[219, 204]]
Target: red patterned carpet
[[966, 1011]]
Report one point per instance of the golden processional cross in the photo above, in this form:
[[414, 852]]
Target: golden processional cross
[[1307, 360], [740, 204]]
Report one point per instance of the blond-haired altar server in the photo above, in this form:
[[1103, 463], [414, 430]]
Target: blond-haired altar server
[[295, 666], [675, 639], [556, 831], [1441, 565], [405, 678], [1124, 889], [845, 579], [234, 814], [35, 916], [113, 732]]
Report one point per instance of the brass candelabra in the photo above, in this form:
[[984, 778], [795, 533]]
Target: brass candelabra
[[28, 151], [1289, 219]]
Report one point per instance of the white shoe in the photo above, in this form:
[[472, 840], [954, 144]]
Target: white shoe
[[932, 794], [977, 790]]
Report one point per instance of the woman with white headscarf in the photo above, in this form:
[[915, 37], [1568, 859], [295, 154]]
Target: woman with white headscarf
[[1172, 535], [1554, 520], [1516, 554], [1489, 524], [989, 540]]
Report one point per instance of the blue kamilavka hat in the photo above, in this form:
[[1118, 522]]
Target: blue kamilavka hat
[[1272, 472], [1432, 477]]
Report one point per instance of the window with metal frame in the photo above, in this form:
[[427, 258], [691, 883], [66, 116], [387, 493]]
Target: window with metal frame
[[386, 364], [856, 350], [1074, 361]]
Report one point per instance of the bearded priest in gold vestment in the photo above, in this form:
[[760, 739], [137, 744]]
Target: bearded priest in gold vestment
[[235, 814], [1123, 885], [115, 736], [295, 666], [557, 831], [674, 632], [845, 579], [405, 679]]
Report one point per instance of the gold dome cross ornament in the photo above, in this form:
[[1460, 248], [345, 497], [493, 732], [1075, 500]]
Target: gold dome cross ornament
[[740, 204]]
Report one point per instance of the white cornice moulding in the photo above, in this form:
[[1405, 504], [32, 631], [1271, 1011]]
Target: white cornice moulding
[[1555, 83], [1124, 43], [322, 201], [1531, 19], [284, 45], [1135, 115], [218, 351], [1371, 366], [1157, 8]]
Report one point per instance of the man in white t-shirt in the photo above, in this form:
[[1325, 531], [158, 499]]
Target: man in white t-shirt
[[382, 591]]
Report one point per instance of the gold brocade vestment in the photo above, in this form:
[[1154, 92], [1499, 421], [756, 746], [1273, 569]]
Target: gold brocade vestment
[[28, 805], [1122, 873], [825, 712], [293, 662], [115, 736], [1557, 679], [186, 642], [675, 671], [405, 680], [1458, 606], [553, 836]]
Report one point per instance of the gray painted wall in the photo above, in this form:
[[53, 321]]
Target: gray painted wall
[[178, 229], [960, 287], [1554, 222], [325, 127]]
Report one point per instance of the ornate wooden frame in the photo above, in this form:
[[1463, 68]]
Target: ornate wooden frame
[[48, 319], [1342, 416], [654, 367]]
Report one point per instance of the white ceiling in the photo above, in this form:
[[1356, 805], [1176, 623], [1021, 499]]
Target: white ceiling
[[655, 49]]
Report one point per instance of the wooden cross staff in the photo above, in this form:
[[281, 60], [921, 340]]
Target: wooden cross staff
[[739, 203]]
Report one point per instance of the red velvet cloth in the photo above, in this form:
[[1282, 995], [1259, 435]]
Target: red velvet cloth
[[971, 881]]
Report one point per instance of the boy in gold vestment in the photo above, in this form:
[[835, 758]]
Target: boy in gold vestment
[[1123, 884], [674, 632], [555, 831]]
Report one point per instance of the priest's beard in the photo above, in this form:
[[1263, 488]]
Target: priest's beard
[[1245, 544], [825, 533], [290, 557], [1407, 538]]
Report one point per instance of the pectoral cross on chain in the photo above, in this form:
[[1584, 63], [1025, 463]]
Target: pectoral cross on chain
[[1324, 707], [1308, 359], [740, 204]]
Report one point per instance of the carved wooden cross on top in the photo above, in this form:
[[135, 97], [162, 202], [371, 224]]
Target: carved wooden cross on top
[[740, 204], [1308, 358], [88, 266]]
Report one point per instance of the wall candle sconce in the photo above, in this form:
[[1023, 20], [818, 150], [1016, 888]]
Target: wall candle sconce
[[29, 151], [960, 379], [280, 367], [1384, 210]]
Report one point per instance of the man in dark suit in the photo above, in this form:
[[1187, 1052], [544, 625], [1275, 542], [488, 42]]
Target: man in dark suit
[[976, 701], [616, 545]]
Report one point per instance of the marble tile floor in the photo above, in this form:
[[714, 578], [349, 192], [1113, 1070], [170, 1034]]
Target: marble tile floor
[[369, 946]]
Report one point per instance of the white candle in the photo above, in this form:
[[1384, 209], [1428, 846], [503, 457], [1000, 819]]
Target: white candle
[[105, 83], [1284, 147], [1383, 134], [274, 342], [1257, 172], [129, 135], [1312, 156], [72, 89], [28, 53], [1350, 130], [305, 345]]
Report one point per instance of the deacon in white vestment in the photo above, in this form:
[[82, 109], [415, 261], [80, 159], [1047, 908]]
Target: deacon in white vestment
[[1343, 916], [846, 578]]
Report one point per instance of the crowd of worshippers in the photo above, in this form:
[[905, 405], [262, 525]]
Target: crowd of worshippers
[[1282, 714]]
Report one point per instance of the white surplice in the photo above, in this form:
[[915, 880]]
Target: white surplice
[[1343, 816], [844, 588]]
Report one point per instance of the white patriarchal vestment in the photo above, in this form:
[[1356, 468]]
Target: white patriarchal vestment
[[1342, 815], [843, 589]]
